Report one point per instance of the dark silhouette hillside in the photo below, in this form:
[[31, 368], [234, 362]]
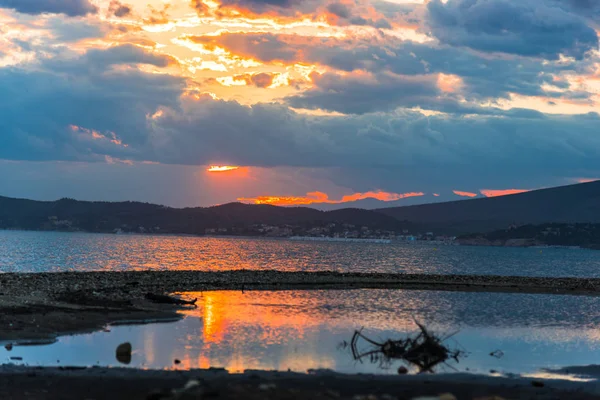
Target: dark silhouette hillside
[[573, 203], [69, 214], [566, 204]]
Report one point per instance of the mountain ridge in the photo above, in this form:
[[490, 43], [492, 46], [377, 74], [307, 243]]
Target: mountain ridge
[[563, 204], [70, 214], [571, 203]]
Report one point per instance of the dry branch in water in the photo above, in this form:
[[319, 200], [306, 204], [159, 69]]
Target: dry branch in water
[[425, 350]]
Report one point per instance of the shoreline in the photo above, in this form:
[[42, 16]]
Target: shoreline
[[33, 383], [46, 305]]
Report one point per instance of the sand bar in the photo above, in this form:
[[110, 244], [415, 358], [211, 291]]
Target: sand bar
[[43, 305]]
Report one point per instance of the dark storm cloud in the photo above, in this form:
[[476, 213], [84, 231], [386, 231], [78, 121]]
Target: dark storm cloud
[[260, 80], [348, 16], [526, 28], [73, 30], [71, 8], [98, 61], [344, 14], [78, 107], [339, 9], [483, 77], [362, 94], [279, 7], [589, 9], [38, 108], [119, 9]]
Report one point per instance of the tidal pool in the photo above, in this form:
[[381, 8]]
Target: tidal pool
[[302, 330]]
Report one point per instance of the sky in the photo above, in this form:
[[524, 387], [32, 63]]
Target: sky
[[297, 102]]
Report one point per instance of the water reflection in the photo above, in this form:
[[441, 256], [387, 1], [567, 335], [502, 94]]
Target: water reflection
[[300, 330], [55, 251]]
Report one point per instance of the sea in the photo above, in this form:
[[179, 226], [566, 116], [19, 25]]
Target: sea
[[55, 251]]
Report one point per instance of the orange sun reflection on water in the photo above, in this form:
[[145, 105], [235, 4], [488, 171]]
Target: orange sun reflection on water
[[227, 313]]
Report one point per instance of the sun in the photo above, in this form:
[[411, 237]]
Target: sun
[[222, 168]]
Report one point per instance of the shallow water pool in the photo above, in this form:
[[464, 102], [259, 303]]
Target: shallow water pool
[[301, 330]]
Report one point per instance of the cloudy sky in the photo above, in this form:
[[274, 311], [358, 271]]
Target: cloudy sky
[[314, 101]]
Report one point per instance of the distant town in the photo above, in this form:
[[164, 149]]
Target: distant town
[[331, 230]]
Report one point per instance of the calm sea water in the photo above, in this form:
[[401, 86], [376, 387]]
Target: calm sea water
[[52, 251], [300, 330]]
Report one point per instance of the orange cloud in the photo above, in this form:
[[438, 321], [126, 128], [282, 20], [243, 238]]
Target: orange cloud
[[97, 135], [449, 83], [383, 196], [501, 192], [464, 194], [320, 197], [586, 180]]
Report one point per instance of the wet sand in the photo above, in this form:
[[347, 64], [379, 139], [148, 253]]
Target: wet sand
[[42, 306], [130, 384]]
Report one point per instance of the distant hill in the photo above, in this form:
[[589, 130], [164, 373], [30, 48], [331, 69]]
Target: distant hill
[[73, 215], [372, 204], [571, 234], [565, 204]]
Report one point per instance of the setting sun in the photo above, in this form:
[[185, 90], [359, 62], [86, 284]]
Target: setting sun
[[222, 168]]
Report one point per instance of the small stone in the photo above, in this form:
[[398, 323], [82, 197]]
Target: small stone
[[402, 370], [447, 396], [8, 347], [124, 353], [191, 384], [497, 353], [158, 395], [490, 398], [537, 383], [266, 386]]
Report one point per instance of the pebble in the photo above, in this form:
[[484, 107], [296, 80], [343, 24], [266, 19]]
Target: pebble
[[124, 353], [497, 353], [191, 384], [267, 386], [490, 398], [445, 396]]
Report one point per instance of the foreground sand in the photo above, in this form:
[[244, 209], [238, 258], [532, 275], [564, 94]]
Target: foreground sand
[[41, 306], [128, 384]]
